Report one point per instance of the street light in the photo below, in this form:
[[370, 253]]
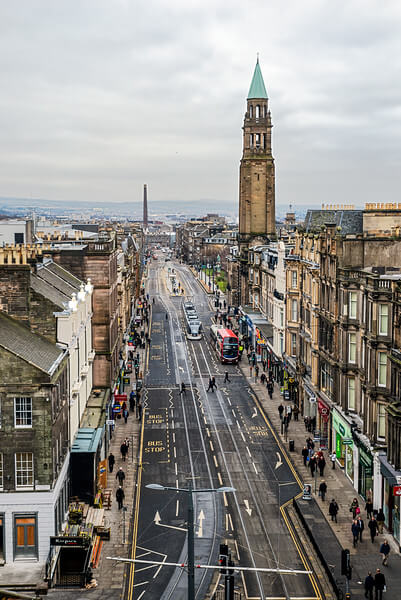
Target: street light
[[190, 525]]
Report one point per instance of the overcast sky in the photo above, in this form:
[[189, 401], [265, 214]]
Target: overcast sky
[[101, 96]]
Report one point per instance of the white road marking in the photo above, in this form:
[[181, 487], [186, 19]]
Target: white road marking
[[216, 464], [211, 445], [279, 461], [248, 510], [249, 452], [201, 518], [177, 508], [176, 469], [174, 437], [243, 437], [220, 479], [231, 522], [175, 452], [234, 415], [229, 401], [255, 412], [254, 466], [225, 499]]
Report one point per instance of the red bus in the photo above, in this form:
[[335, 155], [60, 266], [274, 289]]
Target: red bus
[[225, 343]]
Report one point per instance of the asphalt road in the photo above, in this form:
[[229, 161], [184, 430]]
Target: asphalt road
[[209, 440]]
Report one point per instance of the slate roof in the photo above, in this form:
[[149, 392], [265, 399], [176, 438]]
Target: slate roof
[[32, 348], [59, 278], [44, 288], [63, 274], [350, 221]]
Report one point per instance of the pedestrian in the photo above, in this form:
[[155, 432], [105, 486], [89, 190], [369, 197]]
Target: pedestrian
[[295, 410], [280, 411], [305, 454], [111, 460], [323, 490], [312, 465], [380, 585], [210, 386], [369, 585], [120, 475], [333, 510], [369, 507], [125, 415], [333, 458], [361, 526], [257, 371], [373, 528], [355, 533], [321, 464], [380, 518], [120, 497], [306, 423], [262, 379], [123, 450], [385, 551], [353, 507], [270, 389], [132, 401], [226, 379], [183, 390], [139, 411]]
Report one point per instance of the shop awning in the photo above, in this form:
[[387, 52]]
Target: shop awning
[[393, 477]]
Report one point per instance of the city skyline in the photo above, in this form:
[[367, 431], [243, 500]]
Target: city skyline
[[101, 99]]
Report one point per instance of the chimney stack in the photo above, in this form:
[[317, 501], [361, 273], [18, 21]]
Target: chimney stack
[[145, 206]]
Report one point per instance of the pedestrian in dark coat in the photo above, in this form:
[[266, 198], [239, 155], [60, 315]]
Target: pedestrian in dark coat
[[353, 507], [123, 450], [269, 386], [226, 379], [210, 387], [120, 475], [380, 582], [305, 454], [369, 585], [323, 490], [111, 461], [125, 415], [312, 465], [321, 463], [373, 528], [385, 551], [380, 518], [132, 401], [333, 510], [369, 508], [355, 532], [361, 527], [120, 497], [280, 411]]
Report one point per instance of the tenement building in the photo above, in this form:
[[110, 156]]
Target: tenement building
[[343, 340], [257, 178]]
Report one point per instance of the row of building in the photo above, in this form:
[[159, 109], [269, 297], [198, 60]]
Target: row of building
[[323, 307], [66, 301]]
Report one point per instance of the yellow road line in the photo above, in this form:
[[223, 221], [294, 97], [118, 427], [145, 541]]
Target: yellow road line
[[138, 496]]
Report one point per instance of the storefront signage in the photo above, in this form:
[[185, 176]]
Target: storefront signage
[[397, 490], [69, 542], [347, 441], [341, 426]]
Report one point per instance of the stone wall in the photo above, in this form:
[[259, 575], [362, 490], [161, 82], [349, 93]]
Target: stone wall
[[15, 291]]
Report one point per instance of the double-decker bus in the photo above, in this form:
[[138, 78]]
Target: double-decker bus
[[225, 343]]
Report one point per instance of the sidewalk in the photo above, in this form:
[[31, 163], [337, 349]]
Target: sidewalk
[[365, 557]]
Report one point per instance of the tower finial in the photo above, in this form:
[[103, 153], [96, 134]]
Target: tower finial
[[257, 57]]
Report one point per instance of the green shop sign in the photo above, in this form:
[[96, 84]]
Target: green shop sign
[[341, 426]]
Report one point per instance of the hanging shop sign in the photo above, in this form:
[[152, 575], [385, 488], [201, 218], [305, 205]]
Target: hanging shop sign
[[341, 426], [396, 490], [323, 410]]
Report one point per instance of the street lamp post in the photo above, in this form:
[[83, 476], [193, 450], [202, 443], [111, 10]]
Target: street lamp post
[[190, 525]]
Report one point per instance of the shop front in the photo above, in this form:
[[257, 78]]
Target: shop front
[[343, 443], [309, 403], [391, 497], [365, 471], [323, 423]]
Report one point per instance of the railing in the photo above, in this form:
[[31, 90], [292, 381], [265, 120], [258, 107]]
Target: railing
[[220, 595]]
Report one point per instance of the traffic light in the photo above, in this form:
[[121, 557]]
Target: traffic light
[[223, 558], [344, 562]]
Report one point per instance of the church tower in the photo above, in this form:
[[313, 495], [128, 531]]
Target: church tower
[[257, 177]]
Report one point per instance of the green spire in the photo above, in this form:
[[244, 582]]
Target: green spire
[[257, 89]]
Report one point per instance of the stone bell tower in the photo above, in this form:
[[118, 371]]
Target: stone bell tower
[[257, 177]]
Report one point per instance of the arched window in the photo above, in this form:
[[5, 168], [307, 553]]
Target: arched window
[[257, 111], [250, 111]]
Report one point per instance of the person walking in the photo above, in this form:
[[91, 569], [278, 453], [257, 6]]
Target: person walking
[[305, 454], [369, 586], [369, 508], [183, 390], [380, 518], [380, 584], [280, 411], [385, 551], [125, 415], [132, 401], [321, 463], [312, 465], [226, 379], [111, 461], [323, 490], [210, 387], [333, 510], [355, 533], [361, 527], [269, 386], [353, 507], [120, 497], [333, 458], [373, 528], [120, 475], [123, 450], [139, 411]]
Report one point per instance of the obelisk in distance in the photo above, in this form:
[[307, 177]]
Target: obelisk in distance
[[145, 207]]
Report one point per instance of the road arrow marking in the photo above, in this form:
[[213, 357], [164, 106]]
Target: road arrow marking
[[248, 510], [255, 412], [200, 520], [279, 461], [181, 368], [158, 519]]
